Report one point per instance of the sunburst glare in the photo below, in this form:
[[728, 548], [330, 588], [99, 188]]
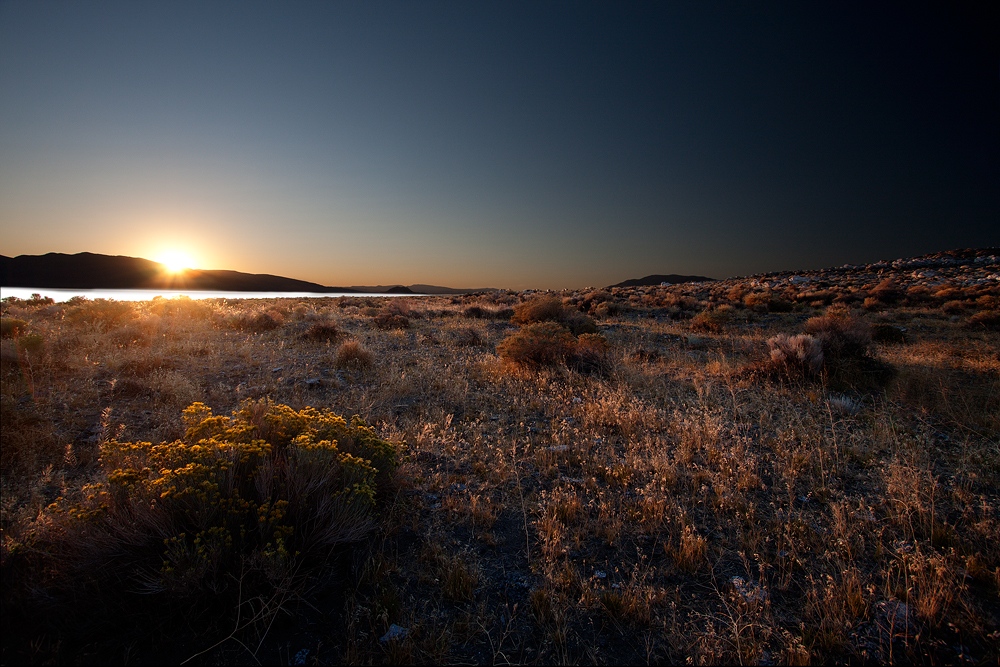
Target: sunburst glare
[[176, 261]]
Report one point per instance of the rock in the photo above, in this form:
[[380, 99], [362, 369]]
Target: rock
[[842, 404], [749, 591], [395, 633], [895, 618]]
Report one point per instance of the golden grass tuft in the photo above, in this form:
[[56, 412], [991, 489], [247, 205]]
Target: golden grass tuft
[[352, 355]]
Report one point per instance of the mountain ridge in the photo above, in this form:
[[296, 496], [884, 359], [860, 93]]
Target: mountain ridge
[[86, 270]]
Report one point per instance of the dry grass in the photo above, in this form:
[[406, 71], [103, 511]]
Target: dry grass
[[644, 495]]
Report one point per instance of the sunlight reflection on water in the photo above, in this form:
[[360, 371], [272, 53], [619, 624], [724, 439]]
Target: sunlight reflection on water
[[147, 294]]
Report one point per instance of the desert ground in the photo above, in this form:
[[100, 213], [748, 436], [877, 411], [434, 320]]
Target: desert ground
[[788, 468]]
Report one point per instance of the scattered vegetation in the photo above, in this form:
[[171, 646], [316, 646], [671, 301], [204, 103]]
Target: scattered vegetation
[[760, 470]]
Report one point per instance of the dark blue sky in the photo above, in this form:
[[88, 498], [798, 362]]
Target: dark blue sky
[[511, 144]]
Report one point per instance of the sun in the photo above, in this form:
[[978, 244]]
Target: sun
[[176, 261]]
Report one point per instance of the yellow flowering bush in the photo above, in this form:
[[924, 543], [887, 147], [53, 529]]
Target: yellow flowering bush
[[257, 489]]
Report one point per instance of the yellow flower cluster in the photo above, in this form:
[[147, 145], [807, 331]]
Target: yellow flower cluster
[[259, 486]]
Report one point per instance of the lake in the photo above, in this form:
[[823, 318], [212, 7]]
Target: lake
[[147, 294]]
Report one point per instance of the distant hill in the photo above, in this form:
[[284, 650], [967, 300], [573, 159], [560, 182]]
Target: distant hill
[[87, 270], [671, 278], [423, 289]]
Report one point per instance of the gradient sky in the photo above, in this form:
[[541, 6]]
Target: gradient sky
[[519, 145]]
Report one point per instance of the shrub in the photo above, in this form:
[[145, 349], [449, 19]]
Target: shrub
[[886, 333], [551, 309], [608, 309], [469, 337], [779, 305], [483, 313], [140, 333], [32, 344], [389, 320], [767, 302], [104, 313], [821, 297], [30, 442], [258, 322], [475, 312], [579, 323], [988, 302], [591, 299], [181, 306], [538, 344], [12, 328], [35, 301], [796, 356], [352, 355], [644, 356], [847, 347], [712, 319], [251, 497], [541, 309], [757, 301], [590, 354], [953, 307], [841, 334], [322, 331], [986, 319], [396, 315], [887, 292]]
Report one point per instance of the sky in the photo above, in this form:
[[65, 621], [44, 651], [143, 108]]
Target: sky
[[514, 145]]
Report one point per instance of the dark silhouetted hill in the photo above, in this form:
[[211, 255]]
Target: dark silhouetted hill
[[92, 271], [435, 289], [671, 278], [87, 270], [420, 289]]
